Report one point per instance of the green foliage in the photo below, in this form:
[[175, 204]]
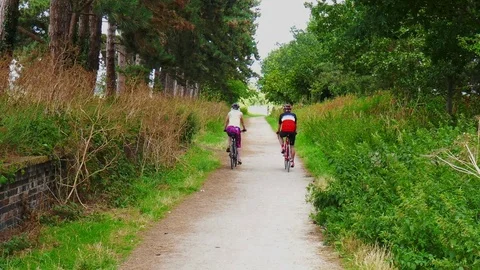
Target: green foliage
[[244, 110], [190, 128], [17, 243], [413, 48], [100, 238], [388, 187], [61, 213], [34, 15], [30, 131], [233, 90]]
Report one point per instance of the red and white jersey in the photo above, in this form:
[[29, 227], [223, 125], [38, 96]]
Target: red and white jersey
[[288, 122]]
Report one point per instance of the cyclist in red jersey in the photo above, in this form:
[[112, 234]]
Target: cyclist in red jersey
[[287, 126]]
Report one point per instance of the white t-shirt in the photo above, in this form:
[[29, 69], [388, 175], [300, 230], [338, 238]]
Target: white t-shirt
[[234, 118]]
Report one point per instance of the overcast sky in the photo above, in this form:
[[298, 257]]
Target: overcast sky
[[276, 19]]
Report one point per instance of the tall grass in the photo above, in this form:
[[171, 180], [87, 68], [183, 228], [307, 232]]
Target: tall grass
[[126, 159], [387, 186], [100, 140]]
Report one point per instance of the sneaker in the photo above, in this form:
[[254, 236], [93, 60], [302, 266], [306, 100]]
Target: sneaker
[[228, 149], [292, 164], [239, 162], [283, 151]]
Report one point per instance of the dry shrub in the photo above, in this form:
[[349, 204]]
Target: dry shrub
[[332, 105], [4, 73], [466, 157], [138, 125], [40, 82], [367, 257], [163, 121]]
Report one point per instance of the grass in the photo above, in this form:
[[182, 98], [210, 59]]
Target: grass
[[385, 186], [102, 240], [132, 159]]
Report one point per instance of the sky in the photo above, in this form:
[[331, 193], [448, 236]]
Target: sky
[[276, 19]]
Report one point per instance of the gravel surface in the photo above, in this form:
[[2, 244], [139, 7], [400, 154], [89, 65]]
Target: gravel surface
[[252, 217]]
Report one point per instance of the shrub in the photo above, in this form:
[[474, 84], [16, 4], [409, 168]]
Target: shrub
[[104, 143], [17, 243], [389, 188]]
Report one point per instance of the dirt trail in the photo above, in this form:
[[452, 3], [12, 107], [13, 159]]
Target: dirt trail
[[252, 217]]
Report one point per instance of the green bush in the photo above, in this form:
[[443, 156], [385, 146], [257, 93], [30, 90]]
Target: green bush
[[388, 188], [244, 110], [17, 243], [30, 131], [189, 128]]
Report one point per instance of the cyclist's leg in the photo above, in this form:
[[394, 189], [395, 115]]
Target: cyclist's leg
[[281, 140], [229, 143], [230, 130], [292, 147]]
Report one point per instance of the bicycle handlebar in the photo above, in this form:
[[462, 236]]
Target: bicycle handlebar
[[243, 130]]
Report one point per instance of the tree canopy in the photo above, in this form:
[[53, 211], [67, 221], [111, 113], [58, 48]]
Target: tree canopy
[[210, 43], [414, 48]]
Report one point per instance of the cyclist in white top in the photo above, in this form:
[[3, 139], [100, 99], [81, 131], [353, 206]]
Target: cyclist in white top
[[233, 121]]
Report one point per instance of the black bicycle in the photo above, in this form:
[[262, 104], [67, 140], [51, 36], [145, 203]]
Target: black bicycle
[[233, 153]]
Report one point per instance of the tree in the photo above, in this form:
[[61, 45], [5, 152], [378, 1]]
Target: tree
[[444, 23], [9, 15], [8, 28], [58, 31]]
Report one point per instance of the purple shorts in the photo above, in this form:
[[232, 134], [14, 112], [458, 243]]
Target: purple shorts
[[235, 131]]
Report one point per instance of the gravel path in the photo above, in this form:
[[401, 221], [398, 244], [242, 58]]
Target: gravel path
[[252, 217]]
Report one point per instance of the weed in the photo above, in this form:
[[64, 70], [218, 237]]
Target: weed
[[17, 243], [386, 188]]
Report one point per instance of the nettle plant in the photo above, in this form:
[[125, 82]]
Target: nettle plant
[[401, 180]]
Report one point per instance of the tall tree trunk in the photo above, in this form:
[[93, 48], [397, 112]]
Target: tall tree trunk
[[122, 63], [83, 24], [95, 41], [162, 79], [72, 29], [110, 62], [9, 15], [83, 27], [450, 95], [138, 59], [196, 93], [169, 84], [8, 30], [60, 13], [175, 87]]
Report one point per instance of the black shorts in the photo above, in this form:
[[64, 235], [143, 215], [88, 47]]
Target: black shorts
[[291, 136]]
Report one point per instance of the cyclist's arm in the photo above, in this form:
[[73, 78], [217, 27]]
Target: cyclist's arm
[[279, 124], [296, 123]]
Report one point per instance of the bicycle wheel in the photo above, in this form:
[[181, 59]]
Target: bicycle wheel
[[233, 155], [286, 155], [287, 158]]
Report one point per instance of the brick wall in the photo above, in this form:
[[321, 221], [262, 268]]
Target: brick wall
[[28, 192]]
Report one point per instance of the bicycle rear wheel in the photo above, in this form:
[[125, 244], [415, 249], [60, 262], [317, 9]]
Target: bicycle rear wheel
[[287, 156]]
